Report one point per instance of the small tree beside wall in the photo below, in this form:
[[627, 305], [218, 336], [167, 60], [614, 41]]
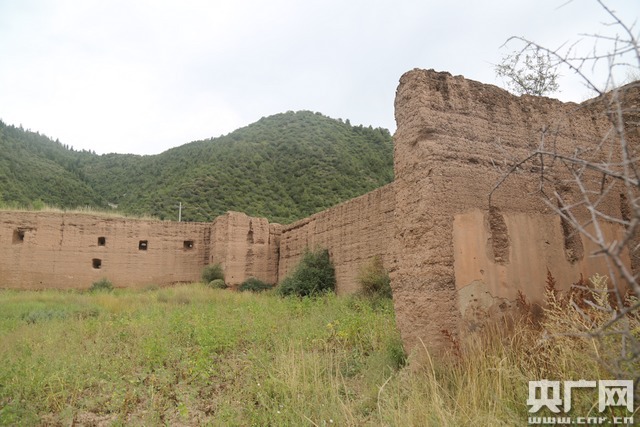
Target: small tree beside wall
[[314, 275]]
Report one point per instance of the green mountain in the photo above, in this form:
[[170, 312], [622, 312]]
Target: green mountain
[[284, 167], [35, 169]]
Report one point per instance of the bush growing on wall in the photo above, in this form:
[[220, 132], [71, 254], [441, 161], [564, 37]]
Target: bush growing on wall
[[212, 272], [314, 275], [374, 279]]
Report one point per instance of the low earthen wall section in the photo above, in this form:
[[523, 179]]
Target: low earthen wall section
[[69, 250]]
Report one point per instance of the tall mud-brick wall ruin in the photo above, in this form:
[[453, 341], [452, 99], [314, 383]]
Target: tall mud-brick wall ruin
[[455, 256], [461, 256]]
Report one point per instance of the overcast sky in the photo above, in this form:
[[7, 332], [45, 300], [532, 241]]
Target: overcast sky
[[142, 76]]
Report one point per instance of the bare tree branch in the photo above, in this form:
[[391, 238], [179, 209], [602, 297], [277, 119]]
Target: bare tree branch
[[580, 185]]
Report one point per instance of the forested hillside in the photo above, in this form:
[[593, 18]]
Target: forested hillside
[[35, 169], [283, 167]]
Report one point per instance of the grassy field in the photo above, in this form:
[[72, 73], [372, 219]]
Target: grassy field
[[191, 355]]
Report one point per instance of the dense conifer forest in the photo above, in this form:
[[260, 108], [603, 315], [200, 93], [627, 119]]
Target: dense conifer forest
[[283, 167]]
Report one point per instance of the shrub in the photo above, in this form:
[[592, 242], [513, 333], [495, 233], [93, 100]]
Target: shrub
[[36, 316], [396, 353], [39, 315], [217, 284], [374, 279], [314, 275], [102, 285], [254, 285], [212, 272]]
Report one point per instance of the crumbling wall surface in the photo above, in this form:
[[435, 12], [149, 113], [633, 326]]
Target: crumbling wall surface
[[245, 247], [458, 255], [629, 96], [353, 232], [65, 250]]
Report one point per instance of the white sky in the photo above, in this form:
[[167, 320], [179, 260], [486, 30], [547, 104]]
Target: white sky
[[142, 76]]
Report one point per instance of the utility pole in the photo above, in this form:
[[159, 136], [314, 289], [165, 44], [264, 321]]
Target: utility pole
[[180, 212]]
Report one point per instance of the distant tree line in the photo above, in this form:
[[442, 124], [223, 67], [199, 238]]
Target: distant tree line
[[283, 167]]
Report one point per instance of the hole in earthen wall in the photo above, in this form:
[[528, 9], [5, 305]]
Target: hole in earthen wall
[[626, 214], [188, 244], [499, 236], [143, 245], [443, 86], [249, 261], [625, 209], [97, 263], [573, 249], [18, 236], [425, 134], [102, 241], [250, 233]]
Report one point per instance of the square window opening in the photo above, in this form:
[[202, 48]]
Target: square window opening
[[188, 244], [97, 263], [18, 235], [143, 245], [102, 241]]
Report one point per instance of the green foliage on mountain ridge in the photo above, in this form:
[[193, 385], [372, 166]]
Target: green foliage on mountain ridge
[[284, 167], [34, 169]]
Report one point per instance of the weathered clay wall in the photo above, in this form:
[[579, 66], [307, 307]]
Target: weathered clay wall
[[536, 243], [64, 250], [456, 252], [353, 232], [245, 247], [69, 250], [630, 102]]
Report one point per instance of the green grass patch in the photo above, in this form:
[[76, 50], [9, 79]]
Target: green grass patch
[[195, 355], [188, 355]]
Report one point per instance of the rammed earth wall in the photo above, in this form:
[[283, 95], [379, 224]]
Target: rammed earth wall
[[455, 257], [460, 257], [72, 250], [353, 232], [246, 247], [65, 250]]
